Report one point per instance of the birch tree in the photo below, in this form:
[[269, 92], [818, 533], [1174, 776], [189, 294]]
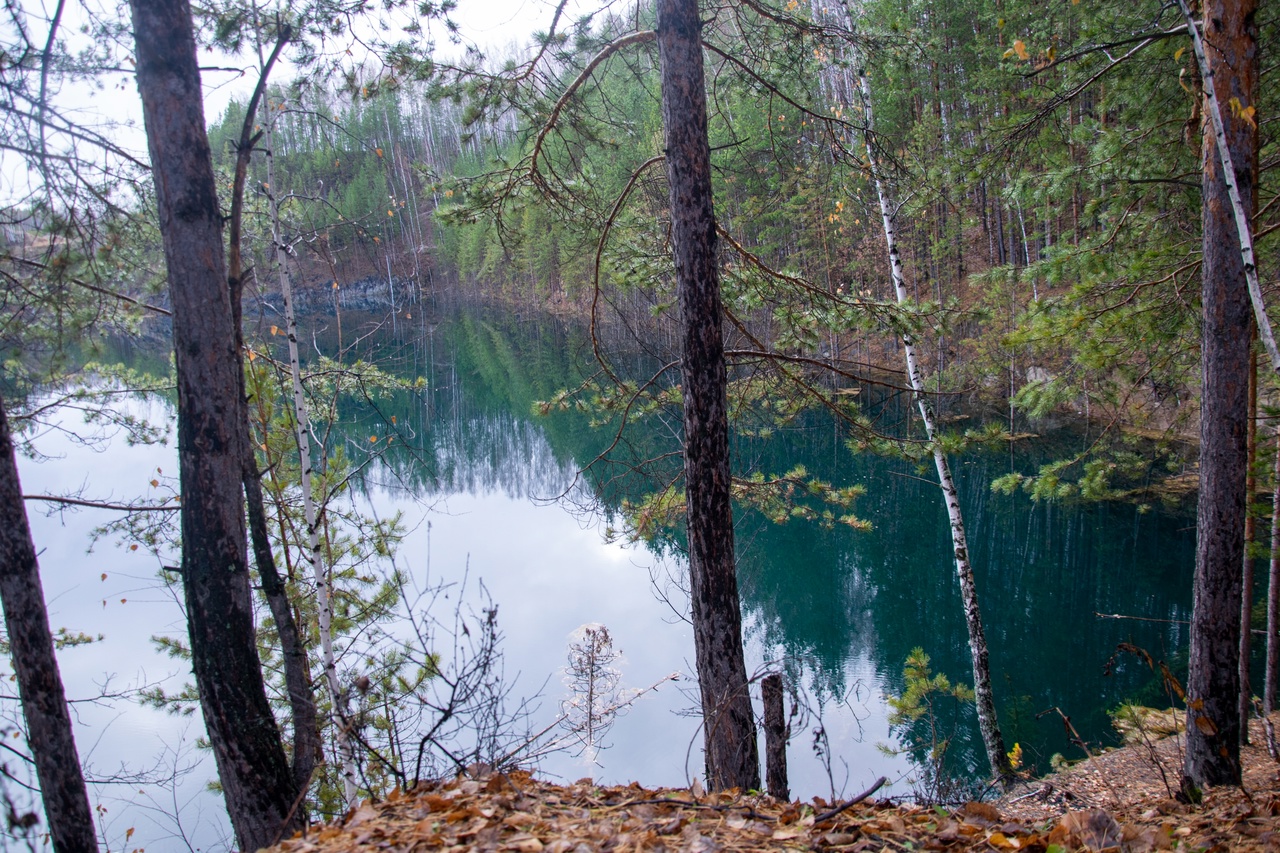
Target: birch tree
[[311, 516], [992, 739]]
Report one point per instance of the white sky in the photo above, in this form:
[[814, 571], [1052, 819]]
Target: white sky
[[491, 25]]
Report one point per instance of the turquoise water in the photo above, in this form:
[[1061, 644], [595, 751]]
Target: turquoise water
[[493, 495]]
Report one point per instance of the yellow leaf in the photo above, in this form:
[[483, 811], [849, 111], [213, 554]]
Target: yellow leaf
[[1243, 112], [393, 419], [1206, 725], [1020, 48], [1000, 841], [1177, 54], [155, 483], [378, 151], [252, 355], [275, 330], [1008, 53], [128, 833], [373, 439]]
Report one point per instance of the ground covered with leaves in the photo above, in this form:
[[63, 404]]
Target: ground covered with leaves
[[1114, 801]]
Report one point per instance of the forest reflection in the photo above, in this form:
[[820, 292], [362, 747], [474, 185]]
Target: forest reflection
[[817, 598]]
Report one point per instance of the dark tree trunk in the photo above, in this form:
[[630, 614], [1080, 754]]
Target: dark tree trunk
[[1213, 718], [293, 652], [44, 704], [775, 737], [307, 748], [256, 780], [729, 730], [1273, 595], [1246, 568]]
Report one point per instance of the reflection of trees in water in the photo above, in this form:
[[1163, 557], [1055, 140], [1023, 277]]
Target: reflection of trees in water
[[818, 596], [471, 430], [826, 596]]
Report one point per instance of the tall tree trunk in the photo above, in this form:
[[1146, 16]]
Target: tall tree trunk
[[1213, 718], [255, 775], [1246, 567], [1240, 199], [992, 739], [44, 704], [1273, 594], [293, 651], [302, 433], [729, 730]]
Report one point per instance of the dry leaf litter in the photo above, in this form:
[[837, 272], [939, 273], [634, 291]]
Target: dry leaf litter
[[1114, 801]]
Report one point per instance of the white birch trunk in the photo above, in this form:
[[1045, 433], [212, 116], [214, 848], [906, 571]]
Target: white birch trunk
[[1243, 227], [302, 430], [991, 737]]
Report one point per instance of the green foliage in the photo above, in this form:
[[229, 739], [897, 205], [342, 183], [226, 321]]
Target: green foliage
[[922, 688], [917, 714]]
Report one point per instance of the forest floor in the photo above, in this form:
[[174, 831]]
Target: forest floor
[[1118, 800]]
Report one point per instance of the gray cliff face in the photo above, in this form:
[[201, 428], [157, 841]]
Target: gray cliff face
[[365, 294]]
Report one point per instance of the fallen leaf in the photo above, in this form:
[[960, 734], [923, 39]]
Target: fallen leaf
[[1094, 829]]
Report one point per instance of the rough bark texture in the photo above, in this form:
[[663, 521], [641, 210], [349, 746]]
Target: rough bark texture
[[1213, 718], [256, 780], [1273, 596], [307, 749], [1246, 566], [1240, 202], [728, 723], [44, 703], [775, 738]]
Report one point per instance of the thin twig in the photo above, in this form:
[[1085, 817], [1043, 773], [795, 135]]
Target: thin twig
[[825, 816]]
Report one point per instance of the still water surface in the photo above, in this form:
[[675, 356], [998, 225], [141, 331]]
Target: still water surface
[[837, 609]]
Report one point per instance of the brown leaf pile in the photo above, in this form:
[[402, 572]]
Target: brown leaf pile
[[1117, 802], [515, 813]]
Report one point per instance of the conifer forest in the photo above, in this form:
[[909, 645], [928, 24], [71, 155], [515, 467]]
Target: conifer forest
[[655, 390]]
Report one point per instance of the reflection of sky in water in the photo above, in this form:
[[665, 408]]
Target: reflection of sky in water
[[548, 568], [847, 606]]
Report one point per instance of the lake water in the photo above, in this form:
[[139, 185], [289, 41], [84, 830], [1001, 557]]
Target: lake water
[[476, 475]]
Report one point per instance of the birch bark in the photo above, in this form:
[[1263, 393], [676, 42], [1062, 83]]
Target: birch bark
[[302, 431], [1240, 213], [985, 701]]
